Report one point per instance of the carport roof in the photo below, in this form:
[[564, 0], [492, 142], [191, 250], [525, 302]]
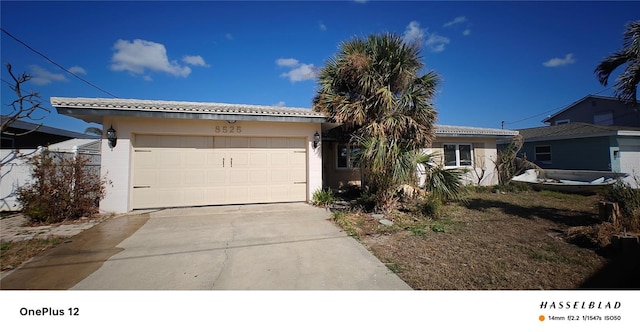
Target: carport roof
[[94, 109]]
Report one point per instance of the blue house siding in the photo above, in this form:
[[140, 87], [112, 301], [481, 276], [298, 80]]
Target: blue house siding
[[591, 153]]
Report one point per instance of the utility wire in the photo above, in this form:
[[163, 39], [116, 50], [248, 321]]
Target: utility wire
[[59, 66], [553, 109]]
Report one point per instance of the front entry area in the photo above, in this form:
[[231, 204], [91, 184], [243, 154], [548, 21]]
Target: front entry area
[[178, 171]]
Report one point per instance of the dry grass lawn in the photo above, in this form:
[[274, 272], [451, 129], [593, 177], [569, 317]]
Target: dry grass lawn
[[494, 241]]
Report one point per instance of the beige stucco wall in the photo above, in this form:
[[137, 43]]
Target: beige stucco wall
[[484, 156], [116, 162]]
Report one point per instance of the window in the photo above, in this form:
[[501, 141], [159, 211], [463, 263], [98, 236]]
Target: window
[[458, 155], [603, 118], [543, 154], [348, 156], [559, 122]]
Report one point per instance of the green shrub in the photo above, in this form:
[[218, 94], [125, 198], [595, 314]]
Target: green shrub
[[629, 201], [431, 206], [61, 188], [446, 183], [323, 197]]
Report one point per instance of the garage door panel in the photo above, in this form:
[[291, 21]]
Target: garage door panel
[[145, 159], [188, 171], [279, 159], [239, 177], [196, 178], [168, 178], [195, 158], [279, 143], [237, 142], [168, 158], [259, 177], [145, 177], [259, 142], [298, 143], [215, 178], [298, 175], [238, 160]]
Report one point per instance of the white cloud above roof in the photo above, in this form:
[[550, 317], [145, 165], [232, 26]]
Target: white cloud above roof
[[41, 76], [413, 33], [228, 36], [559, 62], [466, 32], [323, 27], [457, 20], [287, 62], [433, 41], [299, 71], [194, 60], [140, 56], [78, 70]]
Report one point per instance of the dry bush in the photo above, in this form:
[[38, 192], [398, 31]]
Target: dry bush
[[62, 188], [594, 236]]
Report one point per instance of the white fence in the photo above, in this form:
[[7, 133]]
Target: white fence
[[16, 172]]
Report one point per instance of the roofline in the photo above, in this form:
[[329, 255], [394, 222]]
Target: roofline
[[95, 109], [546, 120], [464, 131], [565, 137], [40, 128]]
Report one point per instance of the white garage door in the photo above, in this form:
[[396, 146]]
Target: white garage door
[[172, 171], [630, 160]]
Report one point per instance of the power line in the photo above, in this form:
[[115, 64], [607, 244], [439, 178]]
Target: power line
[[553, 109], [59, 66]]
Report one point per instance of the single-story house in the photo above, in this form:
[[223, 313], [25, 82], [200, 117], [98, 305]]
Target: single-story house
[[584, 146], [169, 154], [472, 148]]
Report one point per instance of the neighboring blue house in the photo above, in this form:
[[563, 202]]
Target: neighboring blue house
[[594, 133], [584, 146]]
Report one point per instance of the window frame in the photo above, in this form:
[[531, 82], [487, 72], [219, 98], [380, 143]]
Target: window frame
[[563, 121], [536, 153], [350, 164], [457, 145]]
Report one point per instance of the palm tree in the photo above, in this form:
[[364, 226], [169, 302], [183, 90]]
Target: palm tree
[[626, 85], [373, 87]]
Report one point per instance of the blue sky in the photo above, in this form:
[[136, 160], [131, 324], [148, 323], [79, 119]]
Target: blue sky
[[511, 61]]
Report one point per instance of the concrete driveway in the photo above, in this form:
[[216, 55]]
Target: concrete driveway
[[267, 247]]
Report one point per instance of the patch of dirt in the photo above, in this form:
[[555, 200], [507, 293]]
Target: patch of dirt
[[495, 241]]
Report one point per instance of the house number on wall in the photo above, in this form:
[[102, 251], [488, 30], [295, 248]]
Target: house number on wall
[[228, 129]]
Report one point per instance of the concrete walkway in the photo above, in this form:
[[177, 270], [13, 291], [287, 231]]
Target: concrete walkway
[[267, 247]]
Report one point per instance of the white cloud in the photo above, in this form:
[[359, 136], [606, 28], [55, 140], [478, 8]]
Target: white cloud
[[78, 70], [299, 71], [414, 34], [558, 62], [361, 1], [436, 43], [140, 55], [289, 62], [229, 36], [194, 60], [41, 76], [466, 32], [280, 104], [457, 20], [323, 27]]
